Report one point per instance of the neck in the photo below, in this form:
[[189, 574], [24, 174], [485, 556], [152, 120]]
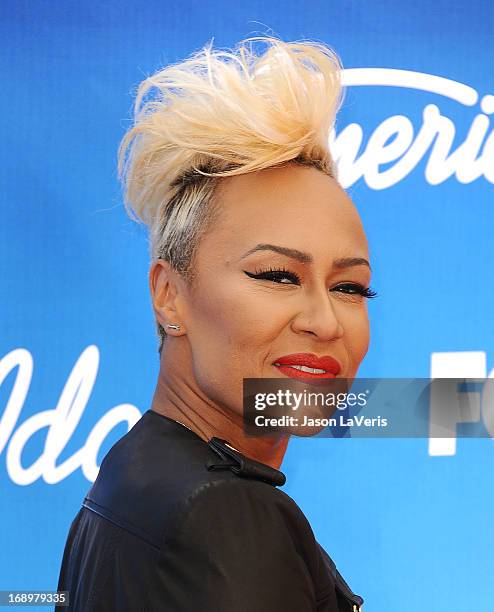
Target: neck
[[178, 397]]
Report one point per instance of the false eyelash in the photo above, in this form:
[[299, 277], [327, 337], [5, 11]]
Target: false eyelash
[[277, 273], [366, 292], [274, 273], [369, 293]]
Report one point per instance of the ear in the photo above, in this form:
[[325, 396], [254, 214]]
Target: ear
[[165, 286]]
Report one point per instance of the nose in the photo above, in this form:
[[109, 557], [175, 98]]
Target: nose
[[318, 316]]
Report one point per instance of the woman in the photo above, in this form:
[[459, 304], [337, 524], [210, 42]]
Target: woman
[[259, 270]]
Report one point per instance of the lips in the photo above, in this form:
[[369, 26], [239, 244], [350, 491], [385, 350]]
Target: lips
[[302, 365]]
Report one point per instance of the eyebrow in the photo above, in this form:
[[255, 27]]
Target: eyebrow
[[301, 256]]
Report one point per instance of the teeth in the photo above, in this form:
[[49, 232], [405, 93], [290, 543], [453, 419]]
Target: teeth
[[306, 369], [303, 368]]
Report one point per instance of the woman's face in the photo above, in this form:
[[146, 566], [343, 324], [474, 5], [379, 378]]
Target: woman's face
[[278, 273]]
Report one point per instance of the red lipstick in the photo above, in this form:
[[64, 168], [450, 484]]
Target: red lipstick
[[327, 363]]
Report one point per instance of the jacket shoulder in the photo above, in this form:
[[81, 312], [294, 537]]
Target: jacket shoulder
[[233, 544]]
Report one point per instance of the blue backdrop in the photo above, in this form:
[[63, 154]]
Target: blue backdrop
[[408, 522]]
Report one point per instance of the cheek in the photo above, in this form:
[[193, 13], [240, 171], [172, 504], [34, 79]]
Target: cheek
[[234, 316], [357, 333], [230, 331]]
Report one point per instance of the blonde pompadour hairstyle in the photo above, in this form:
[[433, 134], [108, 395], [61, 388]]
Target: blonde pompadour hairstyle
[[217, 114]]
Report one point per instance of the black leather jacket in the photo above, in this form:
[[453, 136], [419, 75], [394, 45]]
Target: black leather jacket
[[173, 523]]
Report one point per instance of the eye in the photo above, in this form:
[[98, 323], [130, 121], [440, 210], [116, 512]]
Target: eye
[[355, 289], [276, 275]]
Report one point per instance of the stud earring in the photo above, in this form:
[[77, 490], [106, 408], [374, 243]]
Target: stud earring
[[172, 326]]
